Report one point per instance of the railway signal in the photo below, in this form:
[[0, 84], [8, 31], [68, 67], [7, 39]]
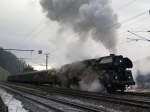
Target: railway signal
[[39, 51], [23, 50]]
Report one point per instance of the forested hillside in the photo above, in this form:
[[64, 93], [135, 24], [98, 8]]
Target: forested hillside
[[3, 74], [10, 62]]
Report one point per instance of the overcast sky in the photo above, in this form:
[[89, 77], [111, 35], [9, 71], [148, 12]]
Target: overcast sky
[[24, 25]]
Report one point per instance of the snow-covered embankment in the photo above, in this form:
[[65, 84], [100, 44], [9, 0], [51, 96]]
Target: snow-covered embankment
[[13, 104]]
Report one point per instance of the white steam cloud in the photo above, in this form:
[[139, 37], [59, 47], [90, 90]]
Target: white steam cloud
[[80, 76], [142, 67], [87, 18]]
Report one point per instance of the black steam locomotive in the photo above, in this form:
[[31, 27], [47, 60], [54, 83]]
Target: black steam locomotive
[[113, 72]]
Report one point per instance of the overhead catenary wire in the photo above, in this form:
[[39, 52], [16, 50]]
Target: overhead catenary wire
[[137, 22], [40, 30], [35, 28], [126, 5], [139, 37], [129, 19], [110, 26], [24, 58], [135, 17], [19, 50], [133, 39], [142, 31], [146, 29], [141, 27]]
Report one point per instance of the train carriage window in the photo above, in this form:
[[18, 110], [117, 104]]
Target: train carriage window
[[106, 60]]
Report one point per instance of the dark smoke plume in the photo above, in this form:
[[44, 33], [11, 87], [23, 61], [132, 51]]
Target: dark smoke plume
[[87, 18]]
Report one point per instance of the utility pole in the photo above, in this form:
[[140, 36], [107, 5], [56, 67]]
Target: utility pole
[[47, 60]]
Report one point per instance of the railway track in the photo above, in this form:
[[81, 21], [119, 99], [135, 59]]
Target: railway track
[[114, 98], [31, 91], [24, 96], [143, 94], [97, 96], [129, 101]]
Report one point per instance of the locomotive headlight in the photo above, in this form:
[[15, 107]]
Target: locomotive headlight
[[129, 77], [120, 61], [116, 77]]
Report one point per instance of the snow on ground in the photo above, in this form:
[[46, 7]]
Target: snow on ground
[[13, 104]]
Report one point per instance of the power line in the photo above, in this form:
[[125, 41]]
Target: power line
[[146, 29], [132, 39], [36, 27], [39, 31], [139, 37], [23, 50], [129, 19], [126, 5], [139, 22], [141, 31], [24, 58], [18, 50], [135, 17]]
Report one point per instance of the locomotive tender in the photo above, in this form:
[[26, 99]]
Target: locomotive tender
[[112, 71]]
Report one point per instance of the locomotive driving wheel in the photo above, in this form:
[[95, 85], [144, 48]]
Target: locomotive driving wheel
[[122, 89]]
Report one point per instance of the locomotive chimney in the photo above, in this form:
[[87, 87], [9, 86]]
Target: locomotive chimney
[[112, 54]]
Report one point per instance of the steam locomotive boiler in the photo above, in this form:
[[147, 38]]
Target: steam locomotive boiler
[[112, 71]]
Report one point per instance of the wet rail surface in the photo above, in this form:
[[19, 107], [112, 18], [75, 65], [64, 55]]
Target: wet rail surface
[[35, 92], [29, 98], [96, 96], [143, 94]]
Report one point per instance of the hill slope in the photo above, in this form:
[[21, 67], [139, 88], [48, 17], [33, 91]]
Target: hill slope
[[3, 74], [10, 62]]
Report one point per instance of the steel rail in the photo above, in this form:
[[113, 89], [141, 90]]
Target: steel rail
[[107, 98], [97, 96], [31, 99], [73, 104], [144, 94]]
